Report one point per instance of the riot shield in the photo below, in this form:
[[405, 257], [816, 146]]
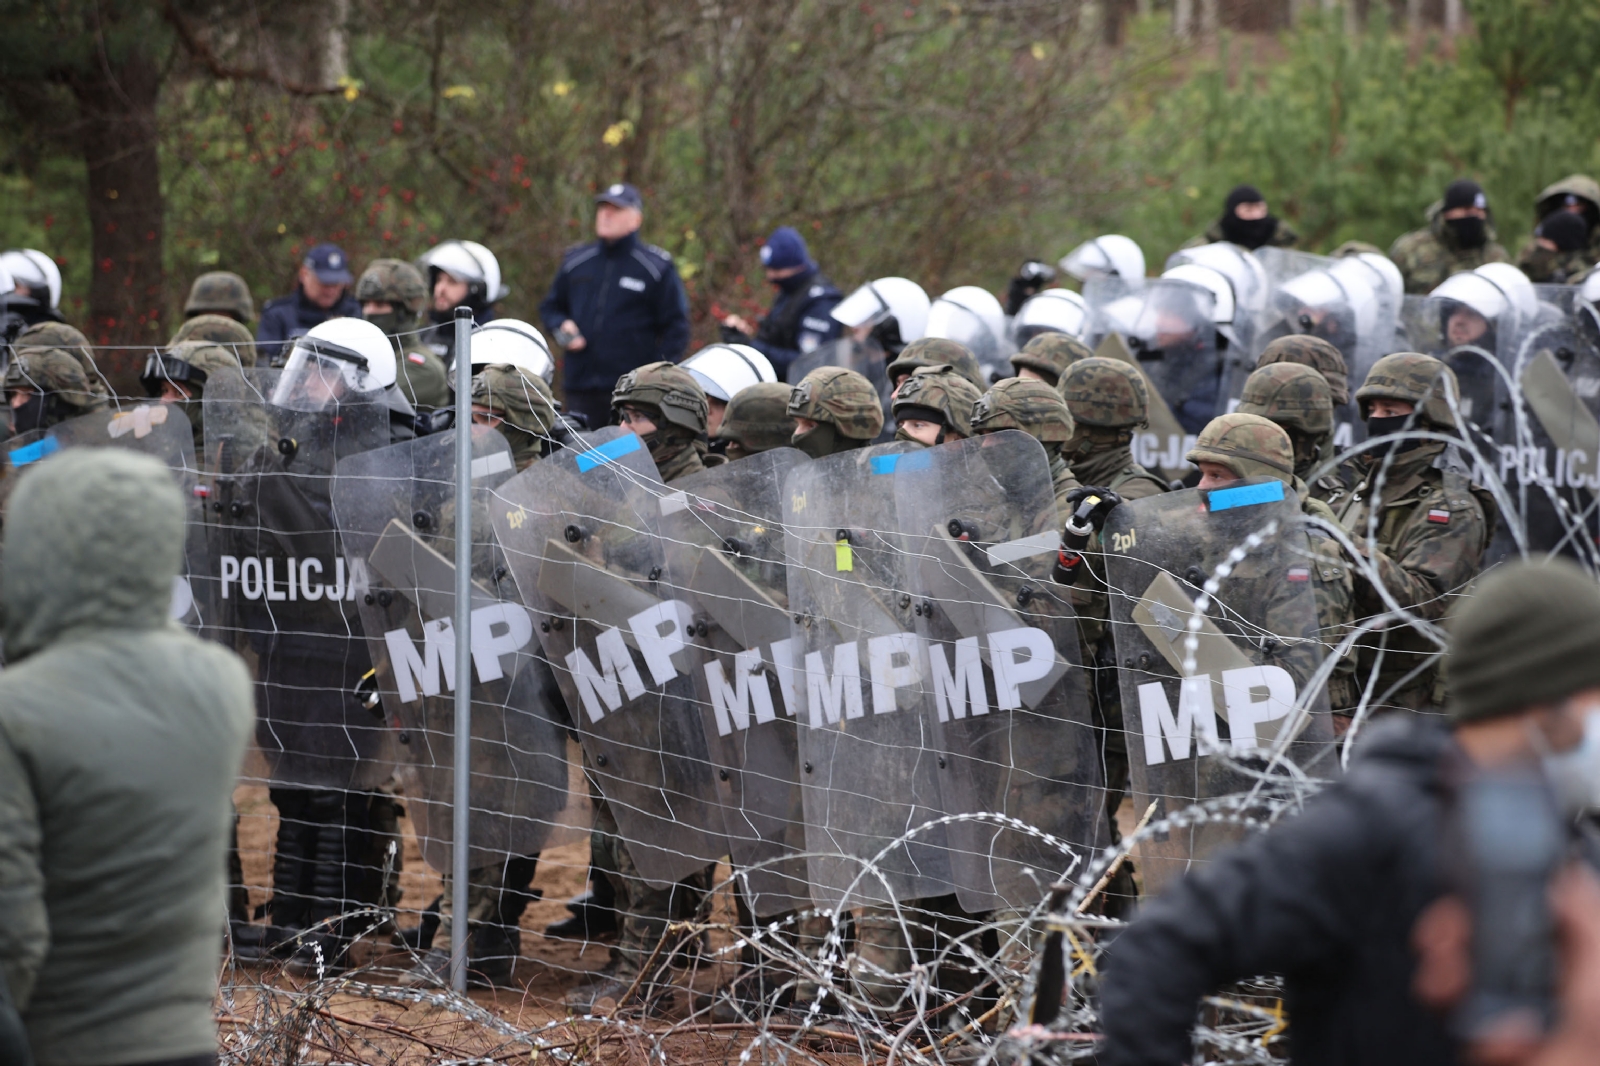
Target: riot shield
[[1011, 699], [1474, 349], [1163, 443], [288, 593], [1214, 700], [723, 531], [1114, 304], [395, 509], [1177, 343], [580, 533], [1250, 291], [864, 357], [869, 774]]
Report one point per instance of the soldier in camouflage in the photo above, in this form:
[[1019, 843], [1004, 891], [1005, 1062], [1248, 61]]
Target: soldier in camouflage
[[1560, 248], [1298, 399], [1319, 354], [219, 329], [393, 295], [1247, 222], [178, 376], [1046, 357], [936, 351], [221, 292], [68, 339], [934, 405], [834, 410], [756, 420], [1459, 236], [665, 407], [1038, 410], [519, 405], [1428, 523], [45, 386]]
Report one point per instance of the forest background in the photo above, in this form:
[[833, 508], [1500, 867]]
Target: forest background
[[145, 141]]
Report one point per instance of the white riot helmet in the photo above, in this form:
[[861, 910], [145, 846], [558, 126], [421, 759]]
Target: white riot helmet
[[470, 262], [971, 316], [37, 271], [1391, 284], [878, 301], [342, 360], [514, 342], [725, 370], [1222, 304], [1337, 304], [1110, 255], [7, 286], [1239, 265], [1585, 307], [1051, 311], [1495, 291]]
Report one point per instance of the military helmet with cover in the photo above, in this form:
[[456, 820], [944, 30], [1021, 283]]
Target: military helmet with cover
[[841, 398], [51, 372], [1418, 379], [188, 363], [1019, 403], [219, 329], [1248, 445], [220, 292], [938, 351], [1107, 393], [516, 396], [68, 339], [1049, 355], [1319, 354], [757, 419], [393, 281], [1292, 395], [668, 388], [938, 390]]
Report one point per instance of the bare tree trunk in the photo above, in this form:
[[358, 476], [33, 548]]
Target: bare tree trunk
[[1183, 18], [120, 148], [1452, 17]]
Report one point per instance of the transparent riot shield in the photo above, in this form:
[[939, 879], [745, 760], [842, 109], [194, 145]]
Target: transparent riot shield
[[723, 530], [287, 591], [869, 750], [866, 358], [580, 534], [1114, 304], [1251, 288], [1215, 701], [1011, 699], [1163, 442], [1180, 350], [396, 510]]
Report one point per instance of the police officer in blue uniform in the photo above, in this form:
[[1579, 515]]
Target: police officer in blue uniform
[[615, 305], [323, 293], [798, 320]]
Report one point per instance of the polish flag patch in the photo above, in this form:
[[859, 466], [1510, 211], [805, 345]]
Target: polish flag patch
[[417, 357], [1298, 573], [1439, 516]]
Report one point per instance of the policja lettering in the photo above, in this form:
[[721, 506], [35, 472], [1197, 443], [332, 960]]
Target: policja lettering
[[258, 577]]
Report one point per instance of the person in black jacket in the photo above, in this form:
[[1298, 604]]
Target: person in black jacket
[[615, 305], [1330, 898], [323, 292], [798, 320]]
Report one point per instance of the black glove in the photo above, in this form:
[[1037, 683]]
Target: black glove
[[733, 336], [1090, 506], [1032, 276]]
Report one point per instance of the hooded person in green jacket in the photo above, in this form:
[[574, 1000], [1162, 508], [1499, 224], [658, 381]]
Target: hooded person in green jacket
[[120, 741]]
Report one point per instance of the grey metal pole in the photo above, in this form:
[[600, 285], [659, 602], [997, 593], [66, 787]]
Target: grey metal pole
[[463, 632]]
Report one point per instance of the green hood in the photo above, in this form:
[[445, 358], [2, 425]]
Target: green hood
[[93, 540]]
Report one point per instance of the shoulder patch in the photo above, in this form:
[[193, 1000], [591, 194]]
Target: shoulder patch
[[418, 358], [1439, 516]]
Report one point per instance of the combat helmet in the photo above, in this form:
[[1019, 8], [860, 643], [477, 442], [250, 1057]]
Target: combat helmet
[[220, 292], [1297, 398], [219, 329], [397, 283], [757, 419], [938, 394], [1106, 393], [938, 351], [70, 340], [1031, 406], [669, 389], [1049, 355], [1248, 445], [60, 384], [1417, 378], [1319, 354], [523, 403], [188, 363]]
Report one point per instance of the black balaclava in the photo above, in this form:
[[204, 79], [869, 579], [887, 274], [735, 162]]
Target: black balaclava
[[1470, 232], [1567, 230], [1251, 233]]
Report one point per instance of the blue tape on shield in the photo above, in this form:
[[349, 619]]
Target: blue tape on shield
[[609, 452], [32, 453], [900, 462], [1245, 496]]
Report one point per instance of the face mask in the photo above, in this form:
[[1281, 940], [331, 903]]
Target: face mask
[[30, 416], [819, 443], [1470, 232], [1575, 774], [1379, 427], [1252, 233]]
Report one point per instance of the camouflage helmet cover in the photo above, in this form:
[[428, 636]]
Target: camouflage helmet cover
[[1031, 406], [68, 339], [1105, 392], [1248, 445], [943, 389], [1416, 378], [841, 398], [1319, 354], [1292, 395], [758, 417], [51, 371], [392, 281], [938, 351], [220, 292], [204, 356], [521, 398], [667, 387], [219, 329], [1050, 354]]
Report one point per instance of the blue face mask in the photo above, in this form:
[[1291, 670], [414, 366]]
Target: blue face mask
[[1575, 774]]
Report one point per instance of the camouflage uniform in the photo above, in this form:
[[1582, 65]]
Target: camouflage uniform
[[219, 329], [1049, 355], [1038, 410], [937, 351], [757, 420], [678, 408], [61, 336], [1429, 255], [845, 407], [1432, 525], [1282, 237], [399, 284], [1349, 248], [1562, 268], [524, 404], [220, 292], [943, 390], [1298, 399], [56, 376]]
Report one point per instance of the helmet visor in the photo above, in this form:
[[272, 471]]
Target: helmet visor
[[320, 375], [864, 307]]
